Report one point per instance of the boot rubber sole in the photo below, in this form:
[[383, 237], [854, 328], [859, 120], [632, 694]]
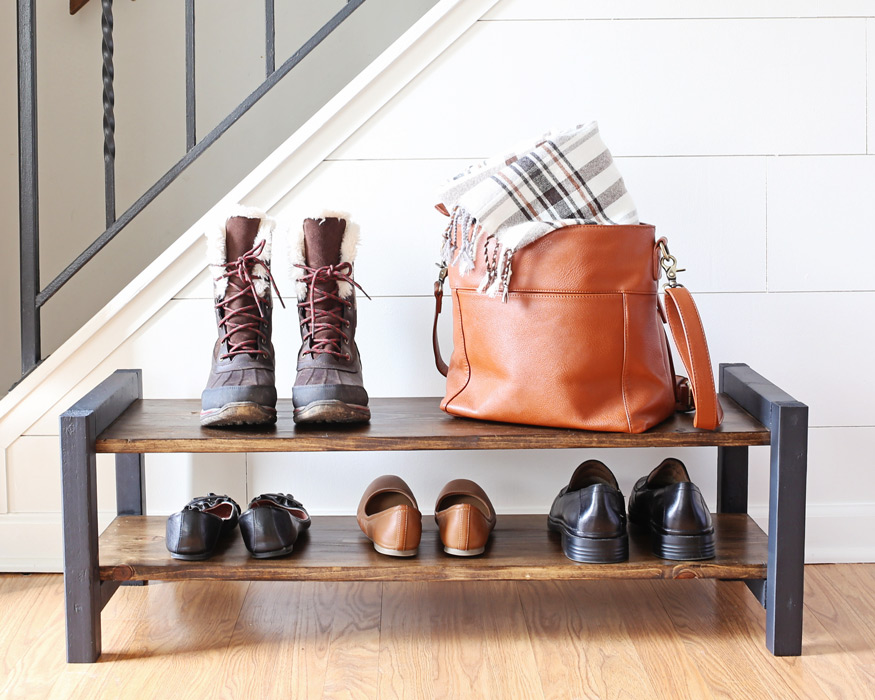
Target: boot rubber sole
[[332, 411], [591, 550], [238, 413]]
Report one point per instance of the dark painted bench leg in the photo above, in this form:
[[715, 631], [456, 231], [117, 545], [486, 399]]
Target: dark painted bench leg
[[130, 490], [130, 484], [786, 571], [732, 466], [84, 594], [732, 489], [787, 420], [732, 480], [81, 581]]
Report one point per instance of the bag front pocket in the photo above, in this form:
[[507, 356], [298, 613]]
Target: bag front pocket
[[542, 358]]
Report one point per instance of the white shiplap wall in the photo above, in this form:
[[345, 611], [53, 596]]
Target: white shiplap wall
[[743, 134]]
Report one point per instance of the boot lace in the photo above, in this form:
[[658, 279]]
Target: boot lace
[[326, 319], [251, 316]]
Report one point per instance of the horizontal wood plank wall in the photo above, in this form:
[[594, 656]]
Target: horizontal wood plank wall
[[742, 133]]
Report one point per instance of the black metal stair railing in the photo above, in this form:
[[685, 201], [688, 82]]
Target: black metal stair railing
[[32, 297]]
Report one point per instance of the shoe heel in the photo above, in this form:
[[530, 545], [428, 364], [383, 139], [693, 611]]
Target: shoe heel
[[609, 550], [465, 552], [396, 552], [267, 533], [683, 547], [192, 557]]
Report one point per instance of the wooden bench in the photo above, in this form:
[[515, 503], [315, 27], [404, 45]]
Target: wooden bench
[[113, 418]]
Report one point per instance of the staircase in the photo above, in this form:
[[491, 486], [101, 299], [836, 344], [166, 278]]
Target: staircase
[[124, 156]]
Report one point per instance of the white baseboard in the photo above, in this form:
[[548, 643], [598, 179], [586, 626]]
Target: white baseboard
[[32, 542], [834, 533]]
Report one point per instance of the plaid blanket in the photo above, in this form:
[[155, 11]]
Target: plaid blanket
[[564, 178]]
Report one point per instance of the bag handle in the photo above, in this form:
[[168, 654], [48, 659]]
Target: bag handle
[[689, 337], [438, 303]]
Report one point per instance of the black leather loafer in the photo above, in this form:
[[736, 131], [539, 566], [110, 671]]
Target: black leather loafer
[[194, 532], [590, 515], [674, 510], [272, 524]]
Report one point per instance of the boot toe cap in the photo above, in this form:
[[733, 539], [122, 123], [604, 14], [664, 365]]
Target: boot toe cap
[[305, 394], [221, 396]]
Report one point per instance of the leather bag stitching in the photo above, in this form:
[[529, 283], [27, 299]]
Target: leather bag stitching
[[458, 305], [625, 355]]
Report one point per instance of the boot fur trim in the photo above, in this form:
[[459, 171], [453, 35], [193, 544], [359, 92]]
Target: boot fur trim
[[216, 256], [348, 249]]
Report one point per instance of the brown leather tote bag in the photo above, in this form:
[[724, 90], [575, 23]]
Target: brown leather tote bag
[[580, 340]]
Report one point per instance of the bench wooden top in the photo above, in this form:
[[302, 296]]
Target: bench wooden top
[[172, 425]]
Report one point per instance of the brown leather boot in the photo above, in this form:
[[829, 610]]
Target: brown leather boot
[[329, 387], [241, 387]]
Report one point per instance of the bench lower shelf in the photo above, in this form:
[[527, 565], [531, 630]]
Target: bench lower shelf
[[334, 549]]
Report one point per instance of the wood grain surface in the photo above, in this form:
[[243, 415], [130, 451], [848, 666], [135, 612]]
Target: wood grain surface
[[605, 663], [317, 639], [334, 549], [720, 642], [173, 425], [655, 637]]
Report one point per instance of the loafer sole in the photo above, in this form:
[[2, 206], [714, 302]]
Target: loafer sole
[[238, 413], [332, 411], [682, 547], [591, 550]]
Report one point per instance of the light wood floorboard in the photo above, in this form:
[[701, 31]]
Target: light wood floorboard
[[721, 642], [305, 640], [581, 644], [588, 639], [656, 640]]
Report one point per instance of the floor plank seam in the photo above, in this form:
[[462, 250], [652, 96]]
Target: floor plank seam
[[529, 635], [380, 641], [233, 634]]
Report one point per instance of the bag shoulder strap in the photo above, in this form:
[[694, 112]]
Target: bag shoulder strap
[[438, 303], [689, 337]]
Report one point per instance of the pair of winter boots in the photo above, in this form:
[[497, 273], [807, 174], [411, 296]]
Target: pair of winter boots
[[241, 388]]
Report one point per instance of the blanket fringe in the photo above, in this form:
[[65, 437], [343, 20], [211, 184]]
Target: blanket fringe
[[459, 247]]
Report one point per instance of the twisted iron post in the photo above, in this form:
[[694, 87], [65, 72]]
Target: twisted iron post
[[108, 111]]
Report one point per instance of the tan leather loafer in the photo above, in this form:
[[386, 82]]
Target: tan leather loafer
[[465, 518], [390, 518]]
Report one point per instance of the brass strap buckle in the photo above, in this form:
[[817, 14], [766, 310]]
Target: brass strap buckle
[[442, 275], [439, 286], [669, 264]]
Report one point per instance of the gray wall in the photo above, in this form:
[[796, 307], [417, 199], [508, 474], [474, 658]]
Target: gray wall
[[150, 129]]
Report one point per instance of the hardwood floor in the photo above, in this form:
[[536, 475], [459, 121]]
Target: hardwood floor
[[539, 639]]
